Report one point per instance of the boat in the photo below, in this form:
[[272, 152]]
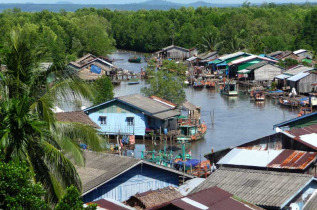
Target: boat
[[134, 82], [229, 88], [210, 84], [257, 95], [191, 129], [198, 84], [135, 60]]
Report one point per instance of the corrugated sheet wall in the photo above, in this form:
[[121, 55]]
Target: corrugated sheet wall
[[137, 180], [267, 72]]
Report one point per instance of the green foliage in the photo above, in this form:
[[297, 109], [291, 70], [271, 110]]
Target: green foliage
[[104, 90], [72, 200], [16, 188], [273, 85], [28, 130], [167, 83], [287, 62]]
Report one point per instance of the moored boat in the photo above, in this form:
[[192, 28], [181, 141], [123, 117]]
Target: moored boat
[[133, 82], [135, 60], [229, 88], [210, 84], [257, 95], [191, 129]]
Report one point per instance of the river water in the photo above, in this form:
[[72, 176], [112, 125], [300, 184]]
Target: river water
[[236, 119]]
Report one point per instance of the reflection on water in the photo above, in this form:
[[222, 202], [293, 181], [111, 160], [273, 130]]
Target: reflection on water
[[236, 119]]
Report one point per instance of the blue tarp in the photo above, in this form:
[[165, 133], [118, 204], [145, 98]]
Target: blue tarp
[[276, 91], [188, 163], [95, 69]]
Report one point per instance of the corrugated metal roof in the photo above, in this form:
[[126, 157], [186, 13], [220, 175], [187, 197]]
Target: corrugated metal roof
[[294, 120], [110, 204], [166, 114], [144, 103], [245, 157], [259, 187], [257, 65], [102, 167], [189, 185], [299, 51], [298, 69], [191, 58], [298, 76], [273, 54], [226, 57], [290, 159], [282, 76], [252, 57]]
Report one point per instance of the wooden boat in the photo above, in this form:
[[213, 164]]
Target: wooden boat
[[198, 84], [210, 84], [229, 88], [191, 129], [135, 60], [133, 82], [257, 95]]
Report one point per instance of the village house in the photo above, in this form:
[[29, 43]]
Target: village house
[[303, 82], [282, 78], [90, 67], [133, 115], [266, 189], [120, 177], [176, 53], [263, 72], [241, 64], [220, 65]]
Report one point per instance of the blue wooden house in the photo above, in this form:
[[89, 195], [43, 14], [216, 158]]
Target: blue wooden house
[[120, 177], [133, 115]]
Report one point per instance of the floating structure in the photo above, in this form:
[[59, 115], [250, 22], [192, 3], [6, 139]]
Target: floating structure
[[135, 60]]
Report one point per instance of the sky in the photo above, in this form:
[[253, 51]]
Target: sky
[[137, 1]]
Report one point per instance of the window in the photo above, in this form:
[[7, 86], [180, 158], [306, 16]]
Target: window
[[130, 120], [103, 120]]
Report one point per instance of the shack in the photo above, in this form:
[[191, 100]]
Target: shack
[[220, 65], [264, 72], [176, 53], [303, 82], [242, 63], [133, 115], [90, 67], [120, 177], [267, 189]]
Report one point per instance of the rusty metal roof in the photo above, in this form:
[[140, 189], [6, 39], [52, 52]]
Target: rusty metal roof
[[290, 159], [303, 131], [306, 135], [279, 159]]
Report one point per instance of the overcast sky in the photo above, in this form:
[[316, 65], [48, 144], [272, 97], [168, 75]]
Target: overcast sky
[[135, 1]]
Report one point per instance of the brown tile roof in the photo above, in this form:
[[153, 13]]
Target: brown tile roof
[[77, 117]]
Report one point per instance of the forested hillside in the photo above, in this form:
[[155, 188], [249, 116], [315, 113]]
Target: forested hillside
[[254, 29]]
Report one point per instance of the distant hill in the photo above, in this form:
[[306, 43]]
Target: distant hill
[[148, 5]]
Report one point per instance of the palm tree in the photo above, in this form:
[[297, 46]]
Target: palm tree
[[28, 128]]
